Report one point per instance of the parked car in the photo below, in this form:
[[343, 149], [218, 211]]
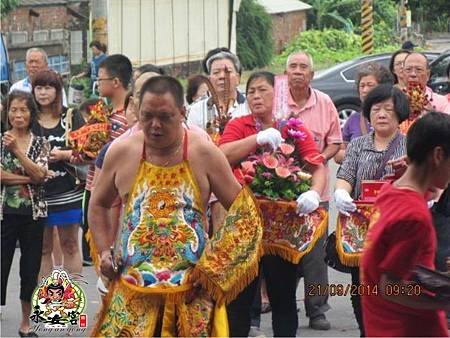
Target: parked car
[[339, 81], [438, 78]]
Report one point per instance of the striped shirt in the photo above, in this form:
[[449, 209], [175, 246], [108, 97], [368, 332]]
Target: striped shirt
[[362, 160], [119, 126], [203, 111]]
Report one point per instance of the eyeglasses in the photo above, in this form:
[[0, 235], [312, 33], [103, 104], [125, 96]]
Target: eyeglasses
[[105, 79], [418, 70]]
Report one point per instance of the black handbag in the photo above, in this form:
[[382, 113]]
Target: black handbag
[[331, 256]]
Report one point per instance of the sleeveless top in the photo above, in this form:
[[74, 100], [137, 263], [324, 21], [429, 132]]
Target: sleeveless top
[[163, 232]]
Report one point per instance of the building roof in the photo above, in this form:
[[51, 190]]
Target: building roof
[[283, 6], [28, 3]]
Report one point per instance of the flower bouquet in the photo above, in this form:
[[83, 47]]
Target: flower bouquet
[[277, 179], [90, 139], [418, 102]]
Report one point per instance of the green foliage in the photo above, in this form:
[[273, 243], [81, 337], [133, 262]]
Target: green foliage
[[254, 35], [346, 14], [7, 6], [276, 187], [332, 46], [330, 13]]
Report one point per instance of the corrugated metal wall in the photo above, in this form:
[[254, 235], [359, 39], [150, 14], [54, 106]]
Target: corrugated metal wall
[[166, 31]]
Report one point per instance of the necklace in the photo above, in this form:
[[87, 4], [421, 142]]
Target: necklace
[[171, 157]]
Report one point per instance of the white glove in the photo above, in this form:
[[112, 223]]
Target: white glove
[[344, 203], [308, 202], [270, 136]]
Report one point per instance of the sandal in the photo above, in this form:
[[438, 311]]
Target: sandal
[[30, 333]]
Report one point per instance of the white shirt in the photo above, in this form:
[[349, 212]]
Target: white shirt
[[25, 86], [200, 113]]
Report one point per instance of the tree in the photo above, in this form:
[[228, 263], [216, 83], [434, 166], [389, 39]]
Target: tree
[[254, 35], [7, 6]]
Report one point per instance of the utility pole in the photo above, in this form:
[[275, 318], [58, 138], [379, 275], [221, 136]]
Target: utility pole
[[403, 21], [367, 26], [99, 23]]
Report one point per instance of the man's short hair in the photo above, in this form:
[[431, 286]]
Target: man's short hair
[[224, 56], [210, 53], [149, 68], [160, 85], [427, 62], [427, 133], [383, 92], [37, 50], [310, 59], [118, 65]]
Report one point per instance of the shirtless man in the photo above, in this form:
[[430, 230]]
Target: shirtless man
[[161, 118], [169, 172]]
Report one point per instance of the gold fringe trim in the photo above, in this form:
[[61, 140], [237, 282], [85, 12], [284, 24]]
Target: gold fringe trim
[[292, 255], [100, 316], [227, 296], [93, 250], [348, 259]]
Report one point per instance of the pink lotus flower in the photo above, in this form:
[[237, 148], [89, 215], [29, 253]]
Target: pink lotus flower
[[163, 275], [282, 172], [270, 161], [286, 149]]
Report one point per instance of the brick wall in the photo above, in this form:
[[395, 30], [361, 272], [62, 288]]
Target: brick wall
[[50, 17], [285, 26]]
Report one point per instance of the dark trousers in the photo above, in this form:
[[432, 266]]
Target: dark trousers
[[29, 233], [313, 269], [85, 226], [238, 310], [356, 301], [281, 277]]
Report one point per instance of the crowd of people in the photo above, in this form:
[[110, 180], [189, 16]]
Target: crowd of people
[[175, 236]]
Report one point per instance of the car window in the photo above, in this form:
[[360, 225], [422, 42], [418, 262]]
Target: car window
[[350, 73], [438, 70]]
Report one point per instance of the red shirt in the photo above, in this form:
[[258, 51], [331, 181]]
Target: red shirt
[[242, 127], [401, 237]]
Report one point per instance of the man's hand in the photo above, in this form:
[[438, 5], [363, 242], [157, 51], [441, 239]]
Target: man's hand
[[270, 136], [308, 202], [106, 264], [10, 142], [344, 203], [194, 292]]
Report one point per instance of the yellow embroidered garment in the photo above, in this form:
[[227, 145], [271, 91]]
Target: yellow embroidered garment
[[351, 233], [164, 246], [287, 234]]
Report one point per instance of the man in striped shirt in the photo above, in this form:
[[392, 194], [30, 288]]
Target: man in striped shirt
[[114, 76]]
